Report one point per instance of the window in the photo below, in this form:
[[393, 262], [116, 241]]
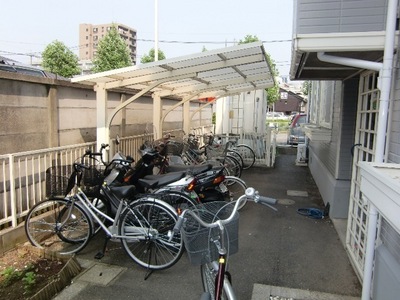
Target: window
[[95, 38], [322, 95], [326, 104], [95, 30]]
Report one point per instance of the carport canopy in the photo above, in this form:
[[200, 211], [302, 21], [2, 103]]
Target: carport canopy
[[215, 73]]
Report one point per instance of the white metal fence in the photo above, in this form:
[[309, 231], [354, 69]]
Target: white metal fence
[[23, 175], [22, 178]]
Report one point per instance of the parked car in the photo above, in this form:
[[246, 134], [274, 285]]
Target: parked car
[[28, 70], [296, 133]]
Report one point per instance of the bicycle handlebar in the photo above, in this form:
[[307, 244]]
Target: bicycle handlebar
[[250, 194]]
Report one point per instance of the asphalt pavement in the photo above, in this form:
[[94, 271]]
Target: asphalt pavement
[[281, 253]]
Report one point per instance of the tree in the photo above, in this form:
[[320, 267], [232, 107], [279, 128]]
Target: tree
[[151, 56], [306, 87], [112, 52], [273, 92], [58, 59], [249, 39]]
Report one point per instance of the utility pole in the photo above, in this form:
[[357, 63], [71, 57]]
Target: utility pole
[[155, 30]]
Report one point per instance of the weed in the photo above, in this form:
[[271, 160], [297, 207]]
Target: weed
[[29, 280], [10, 275]]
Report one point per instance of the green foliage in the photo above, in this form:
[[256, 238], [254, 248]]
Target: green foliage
[[58, 59], [306, 87], [249, 39], [29, 280], [282, 125], [112, 52], [151, 56], [273, 92], [10, 275]]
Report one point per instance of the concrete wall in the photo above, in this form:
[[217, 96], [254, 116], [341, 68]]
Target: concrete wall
[[37, 113]]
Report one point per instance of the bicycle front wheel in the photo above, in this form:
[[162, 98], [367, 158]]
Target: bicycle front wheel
[[145, 225], [58, 225], [208, 275]]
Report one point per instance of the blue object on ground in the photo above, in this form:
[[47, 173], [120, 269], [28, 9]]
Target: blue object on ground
[[314, 213]]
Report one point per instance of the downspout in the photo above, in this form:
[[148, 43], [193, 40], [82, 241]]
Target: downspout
[[384, 85]]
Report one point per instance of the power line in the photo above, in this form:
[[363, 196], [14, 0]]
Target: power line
[[208, 42]]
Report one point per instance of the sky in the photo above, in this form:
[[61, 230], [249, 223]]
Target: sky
[[184, 26]]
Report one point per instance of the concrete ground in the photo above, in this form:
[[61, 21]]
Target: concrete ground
[[280, 253]]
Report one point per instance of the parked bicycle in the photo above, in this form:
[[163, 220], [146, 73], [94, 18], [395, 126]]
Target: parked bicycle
[[210, 233], [246, 153], [66, 224]]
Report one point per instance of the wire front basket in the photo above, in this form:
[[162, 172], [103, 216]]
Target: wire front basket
[[199, 241], [57, 178]]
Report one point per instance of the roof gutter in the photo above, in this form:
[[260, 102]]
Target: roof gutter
[[384, 85]]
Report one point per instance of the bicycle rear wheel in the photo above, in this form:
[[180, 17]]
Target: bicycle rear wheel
[[232, 166], [58, 225], [178, 200], [248, 155], [145, 225], [236, 154]]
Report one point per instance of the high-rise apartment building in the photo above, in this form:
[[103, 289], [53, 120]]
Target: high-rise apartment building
[[90, 35]]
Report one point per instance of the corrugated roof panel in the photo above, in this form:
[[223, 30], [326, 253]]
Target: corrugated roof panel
[[242, 67]]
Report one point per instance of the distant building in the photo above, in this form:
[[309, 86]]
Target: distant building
[[289, 102], [90, 35]]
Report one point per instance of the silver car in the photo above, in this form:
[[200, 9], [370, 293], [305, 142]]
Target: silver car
[[296, 133]]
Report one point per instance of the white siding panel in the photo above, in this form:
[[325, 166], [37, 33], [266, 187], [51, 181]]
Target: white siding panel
[[323, 16]]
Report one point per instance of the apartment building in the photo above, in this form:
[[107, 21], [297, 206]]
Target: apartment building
[[90, 35]]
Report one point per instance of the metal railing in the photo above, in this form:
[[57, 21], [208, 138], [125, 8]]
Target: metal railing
[[22, 178], [23, 174]]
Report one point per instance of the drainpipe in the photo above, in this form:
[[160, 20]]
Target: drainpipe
[[384, 84]]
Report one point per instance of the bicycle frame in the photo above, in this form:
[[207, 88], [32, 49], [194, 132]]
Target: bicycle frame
[[94, 212]]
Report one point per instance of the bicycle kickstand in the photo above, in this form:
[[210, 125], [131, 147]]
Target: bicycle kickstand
[[100, 254]]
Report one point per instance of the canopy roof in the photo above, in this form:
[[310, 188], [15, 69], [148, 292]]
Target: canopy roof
[[212, 73]]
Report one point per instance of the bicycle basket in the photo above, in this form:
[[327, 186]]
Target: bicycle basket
[[92, 178], [174, 148], [57, 180], [199, 240]]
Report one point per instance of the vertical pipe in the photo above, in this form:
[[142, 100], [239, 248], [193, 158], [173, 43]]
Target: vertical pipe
[[13, 196], [155, 30], [385, 87]]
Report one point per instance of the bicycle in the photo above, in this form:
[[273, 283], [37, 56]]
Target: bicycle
[[210, 234], [65, 224], [246, 152]]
